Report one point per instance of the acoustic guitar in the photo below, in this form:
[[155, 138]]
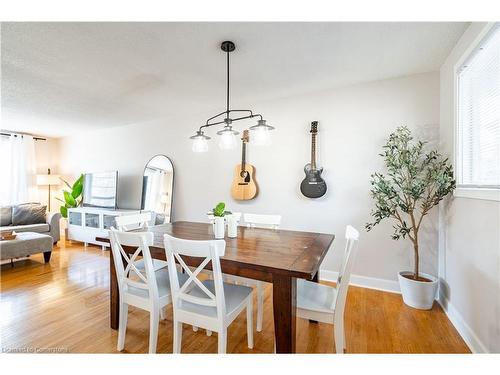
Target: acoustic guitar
[[313, 186], [244, 187]]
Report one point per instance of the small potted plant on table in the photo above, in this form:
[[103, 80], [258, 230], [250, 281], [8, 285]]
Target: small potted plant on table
[[415, 182], [219, 223]]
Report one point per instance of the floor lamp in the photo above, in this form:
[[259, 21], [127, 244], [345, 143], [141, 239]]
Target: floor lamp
[[47, 180]]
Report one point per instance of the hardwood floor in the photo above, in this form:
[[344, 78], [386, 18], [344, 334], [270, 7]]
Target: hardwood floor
[[63, 306]]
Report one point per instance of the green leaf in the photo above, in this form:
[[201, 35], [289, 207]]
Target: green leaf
[[64, 211], [70, 201], [79, 181], [77, 190], [219, 209]]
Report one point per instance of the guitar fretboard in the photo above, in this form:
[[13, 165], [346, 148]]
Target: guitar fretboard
[[243, 155], [313, 150]]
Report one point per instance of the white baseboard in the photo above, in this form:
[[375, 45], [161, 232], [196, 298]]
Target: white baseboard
[[470, 338], [363, 281]]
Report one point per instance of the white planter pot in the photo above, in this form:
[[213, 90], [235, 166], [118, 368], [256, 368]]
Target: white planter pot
[[418, 294], [232, 226], [219, 227]]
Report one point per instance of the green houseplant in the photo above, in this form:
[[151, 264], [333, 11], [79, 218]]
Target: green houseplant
[[72, 197], [415, 182]]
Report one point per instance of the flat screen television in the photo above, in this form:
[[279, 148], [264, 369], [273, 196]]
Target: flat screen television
[[99, 189]]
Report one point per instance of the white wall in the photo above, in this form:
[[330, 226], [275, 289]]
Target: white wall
[[354, 123], [469, 237]]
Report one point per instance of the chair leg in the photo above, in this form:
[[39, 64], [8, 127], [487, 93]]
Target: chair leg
[[177, 337], [338, 332], [260, 305], [222, 341], [154, 320], [250, 322], [122, 326]]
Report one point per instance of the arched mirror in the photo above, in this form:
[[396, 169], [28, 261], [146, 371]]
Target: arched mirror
[[157, 188]]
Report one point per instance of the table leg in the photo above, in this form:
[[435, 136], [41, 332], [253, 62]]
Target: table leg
[[114, 307], [316, 280], [284, 306]]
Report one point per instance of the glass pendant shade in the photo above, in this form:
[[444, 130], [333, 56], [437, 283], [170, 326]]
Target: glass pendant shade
[[200, 143], [227, 140], [261, 134]]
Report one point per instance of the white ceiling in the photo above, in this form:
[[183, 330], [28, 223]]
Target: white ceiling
[[61, 78]]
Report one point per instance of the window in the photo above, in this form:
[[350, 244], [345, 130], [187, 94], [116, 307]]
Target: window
[[478, 115]]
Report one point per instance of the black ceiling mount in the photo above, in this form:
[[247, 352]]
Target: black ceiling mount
[[227, 46]]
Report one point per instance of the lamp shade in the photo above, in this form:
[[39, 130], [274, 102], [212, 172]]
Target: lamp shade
[[47, 179]]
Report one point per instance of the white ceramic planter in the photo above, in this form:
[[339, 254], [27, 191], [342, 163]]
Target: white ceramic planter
[[418, 294], [219, 227], [232, 226]]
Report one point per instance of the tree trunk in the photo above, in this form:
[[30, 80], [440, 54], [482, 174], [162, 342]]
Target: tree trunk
[[415, 248]]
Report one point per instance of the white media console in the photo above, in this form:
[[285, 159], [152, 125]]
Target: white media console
[[87, 223]]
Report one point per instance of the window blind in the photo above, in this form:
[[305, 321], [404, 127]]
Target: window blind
[[478, 98]]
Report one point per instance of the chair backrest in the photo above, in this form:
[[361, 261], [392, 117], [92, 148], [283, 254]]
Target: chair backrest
[[351, 236], [128, 275], [210, 251], [135, 221], [262, 221]]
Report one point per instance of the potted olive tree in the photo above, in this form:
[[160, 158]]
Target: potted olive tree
[[415, 182]]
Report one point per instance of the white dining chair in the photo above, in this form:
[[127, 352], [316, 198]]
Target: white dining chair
[[256, 221], [145, 288], [324, 303], [262, 221], [210, 304], [134, 222]]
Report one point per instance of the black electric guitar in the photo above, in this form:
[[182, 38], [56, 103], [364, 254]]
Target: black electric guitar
[[313, 186]]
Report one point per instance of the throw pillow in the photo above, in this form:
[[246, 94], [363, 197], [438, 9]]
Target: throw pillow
[[29, 213]]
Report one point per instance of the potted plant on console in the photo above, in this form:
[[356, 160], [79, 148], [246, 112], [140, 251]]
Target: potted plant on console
[[72, 199], [415, 182]]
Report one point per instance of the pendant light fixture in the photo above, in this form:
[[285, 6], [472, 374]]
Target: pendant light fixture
[[227, 140]]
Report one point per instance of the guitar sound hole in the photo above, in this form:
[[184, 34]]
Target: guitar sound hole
[[245, 175]]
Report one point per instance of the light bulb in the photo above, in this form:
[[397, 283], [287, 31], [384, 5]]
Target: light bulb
[[227, 141], [200, 145], [261, 133], [261, 137]]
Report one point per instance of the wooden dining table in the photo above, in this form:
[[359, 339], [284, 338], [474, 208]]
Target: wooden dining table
[[279, 257]]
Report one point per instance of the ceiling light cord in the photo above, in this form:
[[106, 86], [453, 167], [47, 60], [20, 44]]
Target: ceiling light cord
[[227, 87]]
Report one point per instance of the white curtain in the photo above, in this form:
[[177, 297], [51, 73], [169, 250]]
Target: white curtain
[[18, 170]]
